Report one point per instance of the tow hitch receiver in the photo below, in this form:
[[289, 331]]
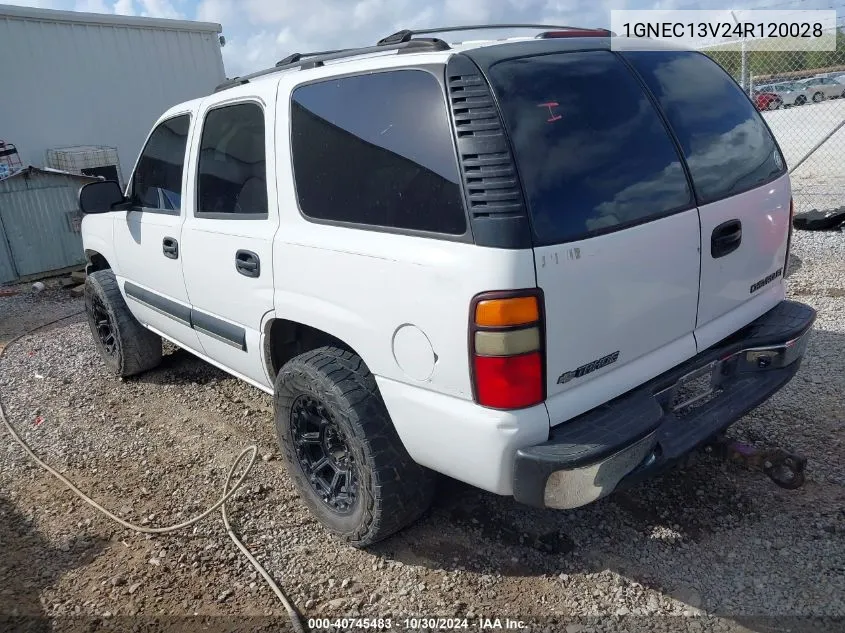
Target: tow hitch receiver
[[784, 468]]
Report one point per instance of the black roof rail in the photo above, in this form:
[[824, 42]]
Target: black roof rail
[[295, 57], [313, 60], [406, 35]]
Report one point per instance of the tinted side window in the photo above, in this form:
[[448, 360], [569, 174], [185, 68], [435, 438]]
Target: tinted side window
[[232, 170], [377, 150], [727, 146], [157, 182], [592, 151]]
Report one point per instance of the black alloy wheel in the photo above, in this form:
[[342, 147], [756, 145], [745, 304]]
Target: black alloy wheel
[[323, 452], [102, 323]]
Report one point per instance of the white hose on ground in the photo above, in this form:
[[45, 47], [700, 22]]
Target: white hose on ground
[[221, 503]]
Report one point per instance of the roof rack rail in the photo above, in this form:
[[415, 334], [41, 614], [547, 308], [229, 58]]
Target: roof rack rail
[[313, 60], [406, 35], [295, 57]]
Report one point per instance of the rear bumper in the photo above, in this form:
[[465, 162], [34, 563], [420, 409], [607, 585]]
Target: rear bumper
[[641, 432]]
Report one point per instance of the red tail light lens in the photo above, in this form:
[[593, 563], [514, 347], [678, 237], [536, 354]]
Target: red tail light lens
[[509, 382], [506, 349]]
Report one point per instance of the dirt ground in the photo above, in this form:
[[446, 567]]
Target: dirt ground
[[706, 547]]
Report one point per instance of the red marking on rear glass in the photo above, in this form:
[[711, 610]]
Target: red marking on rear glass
[[551, 105]]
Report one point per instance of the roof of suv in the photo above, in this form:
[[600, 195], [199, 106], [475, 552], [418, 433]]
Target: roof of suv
[[418, 51]]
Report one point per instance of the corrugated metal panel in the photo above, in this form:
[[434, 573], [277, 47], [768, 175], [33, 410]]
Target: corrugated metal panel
[[37, 222], [100, 82], [7, 268]]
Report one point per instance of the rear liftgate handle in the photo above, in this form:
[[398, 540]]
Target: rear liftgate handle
[[726, 238]]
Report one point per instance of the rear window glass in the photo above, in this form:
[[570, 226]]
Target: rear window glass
[[726, 144], [592, 152]]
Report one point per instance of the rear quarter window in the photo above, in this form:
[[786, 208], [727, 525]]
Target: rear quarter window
[[593, 154], [725, 142], [376, 150]]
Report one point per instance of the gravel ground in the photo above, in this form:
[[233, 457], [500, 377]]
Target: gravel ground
[[706, 547]]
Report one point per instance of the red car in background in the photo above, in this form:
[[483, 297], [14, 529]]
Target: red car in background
[[767, 101]]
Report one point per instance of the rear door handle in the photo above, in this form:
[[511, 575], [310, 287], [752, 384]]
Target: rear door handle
[[247, 263], [726, 238], [170, 247]]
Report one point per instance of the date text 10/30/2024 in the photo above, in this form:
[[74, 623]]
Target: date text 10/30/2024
[[411, 624]]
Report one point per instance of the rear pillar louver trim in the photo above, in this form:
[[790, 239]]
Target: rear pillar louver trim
[[493, 192]]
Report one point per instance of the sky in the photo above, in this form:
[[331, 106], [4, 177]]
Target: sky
[[260, 32]]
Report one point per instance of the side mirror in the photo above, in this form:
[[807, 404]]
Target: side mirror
[[100, 197]]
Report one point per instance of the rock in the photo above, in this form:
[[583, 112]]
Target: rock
[[78, 276], [345, 583], [118, 581], [224, 595], [78, 291], [337, 603], [134, 587], [574, 628]]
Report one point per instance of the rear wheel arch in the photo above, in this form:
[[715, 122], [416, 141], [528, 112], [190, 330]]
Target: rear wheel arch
[[96, 261], [285, 339]]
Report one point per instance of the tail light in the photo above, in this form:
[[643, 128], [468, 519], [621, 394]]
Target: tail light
[[789, 237], [506, 344]]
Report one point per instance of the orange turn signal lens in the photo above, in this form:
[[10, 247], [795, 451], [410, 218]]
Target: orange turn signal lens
[[506, 312]]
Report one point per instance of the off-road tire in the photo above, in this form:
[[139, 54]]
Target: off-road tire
[[393, 490], [137, 349]]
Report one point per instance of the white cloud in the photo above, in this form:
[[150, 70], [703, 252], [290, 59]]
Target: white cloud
[[159, 9], [124, 7], [92, 6]]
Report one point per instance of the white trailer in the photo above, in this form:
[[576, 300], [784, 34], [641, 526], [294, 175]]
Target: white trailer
[[88, 79]]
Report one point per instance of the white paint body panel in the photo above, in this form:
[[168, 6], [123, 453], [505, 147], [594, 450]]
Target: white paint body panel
[[138, 239], [726, 281], [634, 291], [214, 286]]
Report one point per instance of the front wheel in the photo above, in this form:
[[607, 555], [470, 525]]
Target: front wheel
[[125, 346], [800, 100], [341, 449]]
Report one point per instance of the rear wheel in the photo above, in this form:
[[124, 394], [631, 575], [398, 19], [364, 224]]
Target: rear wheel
[[342, 451], [125, 346], [818, 97]]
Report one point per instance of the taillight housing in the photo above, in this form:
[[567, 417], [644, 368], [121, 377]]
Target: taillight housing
[[788, 237], [507, 349]]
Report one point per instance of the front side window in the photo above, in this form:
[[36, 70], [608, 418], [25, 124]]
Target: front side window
[[232, 170], [592, 151], [727, 145], [157, 182], [377, 150]]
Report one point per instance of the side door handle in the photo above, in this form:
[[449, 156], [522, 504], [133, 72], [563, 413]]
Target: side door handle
[[726, 238], [170, 248], [247, 263]]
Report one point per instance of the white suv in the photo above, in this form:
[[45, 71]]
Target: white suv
[[465, 259]]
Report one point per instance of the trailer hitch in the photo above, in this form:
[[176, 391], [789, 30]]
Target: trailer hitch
[[782, 467]]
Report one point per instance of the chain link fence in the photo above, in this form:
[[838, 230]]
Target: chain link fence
[[801, 94]]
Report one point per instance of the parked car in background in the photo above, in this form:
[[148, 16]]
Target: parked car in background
[[790, 93], [766, 100], [821, 88]]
